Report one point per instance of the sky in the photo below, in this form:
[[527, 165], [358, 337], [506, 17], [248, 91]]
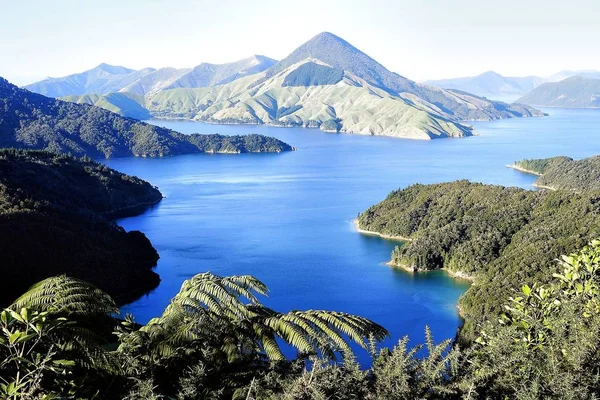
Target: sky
[[420, 39]]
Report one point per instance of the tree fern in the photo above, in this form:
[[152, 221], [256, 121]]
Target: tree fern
[[65, 295], [226, 309]]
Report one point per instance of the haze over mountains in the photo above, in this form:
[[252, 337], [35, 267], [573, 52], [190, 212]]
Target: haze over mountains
[[574, 92], [495, 86], [105, 79], [326, 83], [491, 84]]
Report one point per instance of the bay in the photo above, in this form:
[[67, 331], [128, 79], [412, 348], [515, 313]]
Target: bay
[[287, 218]]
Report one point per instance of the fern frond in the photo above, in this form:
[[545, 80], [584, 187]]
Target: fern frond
[[62, 294]]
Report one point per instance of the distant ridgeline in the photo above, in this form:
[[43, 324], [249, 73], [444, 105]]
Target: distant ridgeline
[[573, 92], [32, 121], [325, 83], [499, 236], [54, 219], [564, 172]]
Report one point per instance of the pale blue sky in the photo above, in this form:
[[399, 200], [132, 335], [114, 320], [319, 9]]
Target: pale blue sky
[[418, 39]]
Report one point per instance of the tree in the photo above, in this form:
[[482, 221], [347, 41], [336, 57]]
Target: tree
[[218, 322]]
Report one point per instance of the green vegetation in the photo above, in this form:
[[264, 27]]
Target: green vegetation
[[313, 74], [541, 165], [237, 144], [216, 340], [564, 172], [501, 236], [32, 121], [54, 219]]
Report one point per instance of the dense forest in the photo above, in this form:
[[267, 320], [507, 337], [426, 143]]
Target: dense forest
[[215, 340], [501, 236], [564, 172], [32, 121], [54, 219]]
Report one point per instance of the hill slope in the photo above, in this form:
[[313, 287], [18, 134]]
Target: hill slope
[[578, 92], [53, 220], [29, 120]]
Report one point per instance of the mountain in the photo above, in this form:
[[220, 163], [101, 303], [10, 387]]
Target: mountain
[[54, 219], [30, 120], [105, 79], [203, 75], [577, 92], [207, 75], [329, 83], [155, 81], [338, 53], [491, 84], [102, 79], [562, 75]]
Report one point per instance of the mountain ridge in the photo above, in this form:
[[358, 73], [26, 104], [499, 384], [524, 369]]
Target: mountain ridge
[[105, 79]]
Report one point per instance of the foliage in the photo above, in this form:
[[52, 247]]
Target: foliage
[[565, 173], [542, 165], [212, 342], [216, 326], [27, 359], [545, 344]]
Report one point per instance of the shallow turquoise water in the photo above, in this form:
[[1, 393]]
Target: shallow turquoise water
[[287, 218]]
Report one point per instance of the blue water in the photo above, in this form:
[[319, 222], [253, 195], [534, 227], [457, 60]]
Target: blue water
[[287, 218]]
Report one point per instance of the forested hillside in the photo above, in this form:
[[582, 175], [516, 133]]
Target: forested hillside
[[564, 172], [500, 236], [54, 212]]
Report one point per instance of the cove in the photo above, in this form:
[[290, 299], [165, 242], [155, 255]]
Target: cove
[[287, 218]]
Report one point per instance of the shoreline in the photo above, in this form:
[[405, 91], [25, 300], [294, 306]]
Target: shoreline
[[527, 171], [381, 235], [535, 185], [453, 274], [521, 169]]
